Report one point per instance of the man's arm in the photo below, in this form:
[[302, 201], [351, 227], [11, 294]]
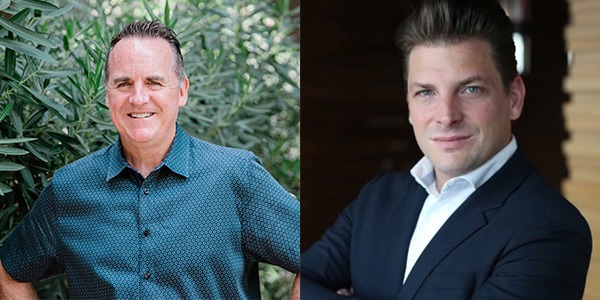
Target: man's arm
[[326, 264], [12, 289], [270, 219], [542, 265]]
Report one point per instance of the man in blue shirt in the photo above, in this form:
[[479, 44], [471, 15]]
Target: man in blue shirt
[[158, 214]]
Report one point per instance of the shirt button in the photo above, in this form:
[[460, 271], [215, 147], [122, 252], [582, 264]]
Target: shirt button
[[146, 232], [147, 276], [146, 191]]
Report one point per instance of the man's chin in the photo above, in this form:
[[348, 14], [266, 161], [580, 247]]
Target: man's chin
[[453, 165], [138, 137]]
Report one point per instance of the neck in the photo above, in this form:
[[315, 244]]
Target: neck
[[147, 156], [440, 181]]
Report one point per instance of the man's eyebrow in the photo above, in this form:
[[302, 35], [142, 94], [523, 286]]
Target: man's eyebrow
[[469, 80], [418, 85], [127, 78], [121, 79], [155, 78], [472, 79]]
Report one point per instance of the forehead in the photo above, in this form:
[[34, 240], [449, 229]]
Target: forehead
[[452, 59], [134, 53]]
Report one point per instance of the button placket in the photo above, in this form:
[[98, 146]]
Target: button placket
[[145, 205]]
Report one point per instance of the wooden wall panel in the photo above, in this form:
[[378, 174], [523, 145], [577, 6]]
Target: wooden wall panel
[[582, 116]]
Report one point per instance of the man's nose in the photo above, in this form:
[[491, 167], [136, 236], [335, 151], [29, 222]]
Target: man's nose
[[139, 94], [448, 110]]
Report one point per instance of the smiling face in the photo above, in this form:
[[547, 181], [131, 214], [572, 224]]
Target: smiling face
[[143, 93], [460, 111]]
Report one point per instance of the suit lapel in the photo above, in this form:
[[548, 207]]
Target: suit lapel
[[452, 233], [466, 220], [402, 220]]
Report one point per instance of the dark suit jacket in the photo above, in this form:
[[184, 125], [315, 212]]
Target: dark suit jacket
[[513, 238]]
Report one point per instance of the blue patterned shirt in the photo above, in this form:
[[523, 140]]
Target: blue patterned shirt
[[195, 228]]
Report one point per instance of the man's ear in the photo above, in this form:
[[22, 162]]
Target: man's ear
[[183, 92], [517, 97]]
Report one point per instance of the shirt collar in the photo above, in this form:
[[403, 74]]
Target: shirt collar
[[424, 174], [176, 160], [179, 157]]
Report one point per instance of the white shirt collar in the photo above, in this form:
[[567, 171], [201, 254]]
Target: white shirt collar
[[424, 174]]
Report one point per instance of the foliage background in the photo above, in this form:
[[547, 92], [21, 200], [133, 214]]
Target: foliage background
[[241, 57]]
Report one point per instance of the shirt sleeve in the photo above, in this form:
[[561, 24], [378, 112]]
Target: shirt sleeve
[[30, 251], [270, 220]]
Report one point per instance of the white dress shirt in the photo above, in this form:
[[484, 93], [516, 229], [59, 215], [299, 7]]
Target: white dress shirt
[[439, 206]]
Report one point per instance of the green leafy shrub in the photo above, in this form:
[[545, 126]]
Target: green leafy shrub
[[243, 64]]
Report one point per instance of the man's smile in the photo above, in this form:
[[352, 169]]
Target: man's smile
[[140, 115]]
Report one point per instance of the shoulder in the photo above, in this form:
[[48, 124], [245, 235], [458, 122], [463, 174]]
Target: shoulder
[[91, 164], [224, 163], [527, 194], [209, 158], [387, 179], [207, 152], [85, 174], [389, 183], [518, 199], [385, 193], [547, 206]]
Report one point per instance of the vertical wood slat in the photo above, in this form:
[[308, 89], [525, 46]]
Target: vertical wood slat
[[582, 116]]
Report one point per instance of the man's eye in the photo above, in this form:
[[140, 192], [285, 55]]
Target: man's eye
[[472, 89], [425, 93], [153, 83], [122, 84]]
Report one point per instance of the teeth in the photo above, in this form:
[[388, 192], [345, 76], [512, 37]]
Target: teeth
[[140, 115]]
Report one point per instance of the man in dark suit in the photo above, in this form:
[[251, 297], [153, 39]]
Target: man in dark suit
[[472, 219]]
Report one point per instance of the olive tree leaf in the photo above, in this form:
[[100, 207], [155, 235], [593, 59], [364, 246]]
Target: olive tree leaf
[[6, 110], [149, 10], [37, 153], [26, 33], [168, 15], [7, 166], [55, 74], [26, 49], [51, 104], [3, 190], [12, 151], [16, 141], [37, 4], [4, 4], [60, 11]]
